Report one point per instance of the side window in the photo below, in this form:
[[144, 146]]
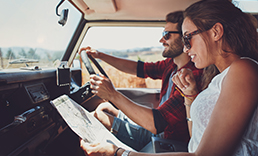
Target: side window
[[136, 43], [31, 35]]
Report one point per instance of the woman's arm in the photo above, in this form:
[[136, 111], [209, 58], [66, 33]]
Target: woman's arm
[[108, 149], [188, 117], [230, 117], [233, 110], [186, 84]]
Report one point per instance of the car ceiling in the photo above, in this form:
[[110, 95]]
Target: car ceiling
[[152, 10]]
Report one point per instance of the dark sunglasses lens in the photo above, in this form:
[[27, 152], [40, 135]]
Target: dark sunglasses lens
[[165, 35], [186, 42]]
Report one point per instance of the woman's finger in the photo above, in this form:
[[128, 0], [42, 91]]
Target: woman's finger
[[182, 77], [89, 149], [177, 81], [98, 149]]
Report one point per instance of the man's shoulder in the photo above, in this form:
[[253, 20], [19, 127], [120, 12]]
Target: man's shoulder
[[191, 66], [196, 71], [169, 61]]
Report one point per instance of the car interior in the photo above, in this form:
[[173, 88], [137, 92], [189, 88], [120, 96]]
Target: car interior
[[29, 125]]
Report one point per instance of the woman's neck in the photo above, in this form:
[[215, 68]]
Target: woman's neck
[[223, 62]]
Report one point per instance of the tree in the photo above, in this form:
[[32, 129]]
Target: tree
[[10, 54], [32, 54], [22, 53]]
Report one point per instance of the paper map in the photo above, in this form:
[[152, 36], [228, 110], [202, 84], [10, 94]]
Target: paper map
[[85, 125]]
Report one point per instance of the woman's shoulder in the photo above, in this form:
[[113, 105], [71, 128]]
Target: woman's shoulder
[[244, 67], [245, 64], [242, 77]]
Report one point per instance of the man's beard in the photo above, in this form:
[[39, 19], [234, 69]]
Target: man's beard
[[174, 50]]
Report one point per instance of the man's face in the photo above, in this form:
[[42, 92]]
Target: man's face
[[173, 45]]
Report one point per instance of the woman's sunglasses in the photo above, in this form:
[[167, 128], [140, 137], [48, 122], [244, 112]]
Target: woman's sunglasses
[[186, 38], [166, 36]]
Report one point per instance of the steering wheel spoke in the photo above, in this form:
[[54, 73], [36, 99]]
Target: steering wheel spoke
[[86, 61]]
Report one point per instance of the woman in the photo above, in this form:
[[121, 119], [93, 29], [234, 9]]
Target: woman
[[224, 116]]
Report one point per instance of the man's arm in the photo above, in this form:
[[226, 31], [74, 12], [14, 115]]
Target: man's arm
[[140, 114], [124, 65]]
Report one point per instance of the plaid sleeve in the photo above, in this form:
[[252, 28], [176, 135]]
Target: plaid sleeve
[[173, 109], [140, 69], [153, 70]]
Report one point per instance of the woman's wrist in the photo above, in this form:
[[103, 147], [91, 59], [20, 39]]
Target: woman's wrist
[[190, 96], [188, 105], [192, 93], [189, 100], [119, 151]]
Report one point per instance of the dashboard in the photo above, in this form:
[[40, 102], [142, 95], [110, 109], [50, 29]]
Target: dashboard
[[28, 122]]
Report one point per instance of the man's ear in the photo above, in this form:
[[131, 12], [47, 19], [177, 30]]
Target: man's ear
[[217, 31]]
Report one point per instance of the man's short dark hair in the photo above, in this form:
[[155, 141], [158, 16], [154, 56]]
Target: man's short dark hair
[[176, 17]]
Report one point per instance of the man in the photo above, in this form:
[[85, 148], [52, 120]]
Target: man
[[169, 117]]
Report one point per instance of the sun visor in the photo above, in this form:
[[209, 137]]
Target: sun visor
[[101, 6]]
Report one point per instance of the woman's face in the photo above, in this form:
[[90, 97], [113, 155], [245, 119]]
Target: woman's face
[[198, 51]]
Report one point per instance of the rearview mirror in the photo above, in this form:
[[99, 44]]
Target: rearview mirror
[[64, 14], [63, 17]]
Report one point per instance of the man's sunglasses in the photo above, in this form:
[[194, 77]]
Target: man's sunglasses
[[166, 36], [186, 38]]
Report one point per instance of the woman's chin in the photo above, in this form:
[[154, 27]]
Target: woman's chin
[[198, 65]]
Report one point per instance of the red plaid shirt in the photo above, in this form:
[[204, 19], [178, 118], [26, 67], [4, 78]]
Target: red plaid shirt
[[172, 110]]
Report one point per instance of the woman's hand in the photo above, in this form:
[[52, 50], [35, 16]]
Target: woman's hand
[[89, 51], [102, 86], [99, 149], [185, 81]]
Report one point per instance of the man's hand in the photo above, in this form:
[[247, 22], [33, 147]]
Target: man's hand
[[102, 86], [89, 51]]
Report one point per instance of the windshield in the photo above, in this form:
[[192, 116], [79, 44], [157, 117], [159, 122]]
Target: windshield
[[31, 35], [133, 43]]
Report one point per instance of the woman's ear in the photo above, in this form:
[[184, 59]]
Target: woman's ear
[[217, 31]]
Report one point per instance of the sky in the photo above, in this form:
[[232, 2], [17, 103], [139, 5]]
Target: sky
[[36, 27], [33, 23], [247, 5], [124, 38]]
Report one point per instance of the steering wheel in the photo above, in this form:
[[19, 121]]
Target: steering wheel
[[86, 61], [87, 64], [84, 92]]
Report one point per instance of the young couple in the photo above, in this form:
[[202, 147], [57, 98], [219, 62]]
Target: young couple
[[223, 117]]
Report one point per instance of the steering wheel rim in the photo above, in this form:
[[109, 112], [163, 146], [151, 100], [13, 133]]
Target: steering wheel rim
[[85, 59]]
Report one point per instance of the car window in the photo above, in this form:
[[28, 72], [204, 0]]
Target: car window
[[136, 43], [31, 35]]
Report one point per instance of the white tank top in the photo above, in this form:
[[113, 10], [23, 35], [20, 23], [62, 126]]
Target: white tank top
[[200, 113]]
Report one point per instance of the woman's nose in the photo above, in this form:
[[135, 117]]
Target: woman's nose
[[185, 50]]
